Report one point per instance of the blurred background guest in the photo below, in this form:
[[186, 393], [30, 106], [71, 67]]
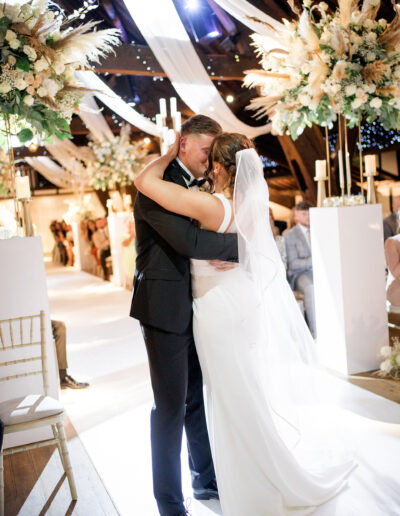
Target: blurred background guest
[[391, 223], [129, 253], [299, 260], [101, 240], [392, 254]]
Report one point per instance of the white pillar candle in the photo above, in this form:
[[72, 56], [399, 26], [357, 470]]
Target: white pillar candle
[[178, 121], [370, 165], [341, 172], [159, 122], [171, 136], [320, 169], [163, 108], [22, 189], [348, 169], [172, 103], [165, 134], [164, 148]]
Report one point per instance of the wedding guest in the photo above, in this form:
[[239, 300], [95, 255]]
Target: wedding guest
[[392, 254], [299, 260], [91, 225], [391, 223], [69, 244], [101, 240], [88, 260], [129, 253], [60, 339]]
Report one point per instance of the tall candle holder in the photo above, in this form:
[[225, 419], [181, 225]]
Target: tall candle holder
[[23, 195], [320, 178], [370, 173], [167, 134]]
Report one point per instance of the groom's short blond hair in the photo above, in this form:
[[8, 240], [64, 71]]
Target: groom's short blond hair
[[200, 124]]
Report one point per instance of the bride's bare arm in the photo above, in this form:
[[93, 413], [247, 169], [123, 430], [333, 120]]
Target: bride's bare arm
[[201, 206]]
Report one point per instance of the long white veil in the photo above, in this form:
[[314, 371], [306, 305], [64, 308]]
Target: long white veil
[[286, 364]]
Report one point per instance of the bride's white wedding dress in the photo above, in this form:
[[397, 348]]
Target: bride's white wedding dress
[[257, 440]]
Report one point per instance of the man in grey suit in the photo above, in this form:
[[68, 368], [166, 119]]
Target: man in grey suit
[[299, 260], [391, 223]]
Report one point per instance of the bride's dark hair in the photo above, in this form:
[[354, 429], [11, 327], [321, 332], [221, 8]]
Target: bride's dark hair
[[223, 150]]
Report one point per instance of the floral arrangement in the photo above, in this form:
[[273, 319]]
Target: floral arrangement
[[116, 162], [391, 363], [39, 52], [329, 63], [5, 174]]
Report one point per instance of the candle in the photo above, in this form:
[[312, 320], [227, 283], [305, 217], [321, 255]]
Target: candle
[[320, 169], [172, 103], [22, 189], [171, 136], [341, 174], [348, 169], [165, 134], [163, 108], [370, 165], [177, 121], [164, 148], [159, 122]]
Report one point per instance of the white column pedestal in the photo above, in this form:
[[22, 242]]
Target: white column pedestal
[[349, 284], [23, 291], [118, 228]]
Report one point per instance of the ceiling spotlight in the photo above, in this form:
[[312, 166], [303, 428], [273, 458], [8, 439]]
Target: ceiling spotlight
[[192, 5], [147, 140], [230, 98], [33, 147]]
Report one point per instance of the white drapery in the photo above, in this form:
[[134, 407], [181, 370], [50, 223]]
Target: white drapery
[[92, 116], [116, 103], [160, 25], [51, 171], [243, 12]]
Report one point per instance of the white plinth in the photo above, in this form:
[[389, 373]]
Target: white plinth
[[118, 229], [78, 247], [349, 283], [23, 291]]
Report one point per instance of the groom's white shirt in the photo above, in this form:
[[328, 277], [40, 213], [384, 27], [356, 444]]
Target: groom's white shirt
[[191, 176]]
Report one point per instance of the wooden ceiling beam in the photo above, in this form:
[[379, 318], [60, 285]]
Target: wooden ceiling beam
[[140, 60]]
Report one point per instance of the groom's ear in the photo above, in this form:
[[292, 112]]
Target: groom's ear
[[182, 144]]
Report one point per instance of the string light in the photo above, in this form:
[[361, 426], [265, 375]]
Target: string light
[[230, 98], [147, 140]]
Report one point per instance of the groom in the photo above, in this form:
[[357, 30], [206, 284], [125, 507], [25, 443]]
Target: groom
[[162, 302]]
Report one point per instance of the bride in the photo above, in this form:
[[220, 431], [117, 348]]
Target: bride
[[256, 353]]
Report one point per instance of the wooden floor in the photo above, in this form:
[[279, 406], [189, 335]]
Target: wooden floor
[[385, 387], [35, 483]]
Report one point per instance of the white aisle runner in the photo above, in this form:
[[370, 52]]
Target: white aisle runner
[[105, 347]]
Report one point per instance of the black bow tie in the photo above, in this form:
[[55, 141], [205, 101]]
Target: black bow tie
[[196, 182]]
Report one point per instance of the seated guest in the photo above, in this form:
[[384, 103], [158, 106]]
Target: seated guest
[[299, 261], [391, 223], [101, 240], [91, 226], [60, 338], [392, 254]]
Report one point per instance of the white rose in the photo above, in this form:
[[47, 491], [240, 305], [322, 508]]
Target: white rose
[[59, 68], [350, 90], [30, 52], [42, 92], [368, 23], [10, 35], [371, 36], [15, 43], [51, 87], [335, 88], [5, 87], [371, 56], [376, 103], [371, 88], [304, 99], [20, 84], [28, 100], [356, 103], [307, 4], [383, 23], [386, 351], [323, 6], [386, 366], [41, 65], [355, 17]]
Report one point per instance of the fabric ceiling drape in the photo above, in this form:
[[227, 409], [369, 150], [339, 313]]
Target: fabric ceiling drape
[[53, 172], [160, 25], [117, 104], [94, 119]]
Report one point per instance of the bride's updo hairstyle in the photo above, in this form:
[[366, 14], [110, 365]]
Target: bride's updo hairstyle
[[223, 150]]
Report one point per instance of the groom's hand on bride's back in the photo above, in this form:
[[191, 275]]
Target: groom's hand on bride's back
[[219, 265]]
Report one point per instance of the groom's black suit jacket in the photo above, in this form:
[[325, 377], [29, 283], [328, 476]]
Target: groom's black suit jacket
[[165, 242]]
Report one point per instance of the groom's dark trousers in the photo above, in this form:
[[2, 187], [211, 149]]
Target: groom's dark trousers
[[162, 302]]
